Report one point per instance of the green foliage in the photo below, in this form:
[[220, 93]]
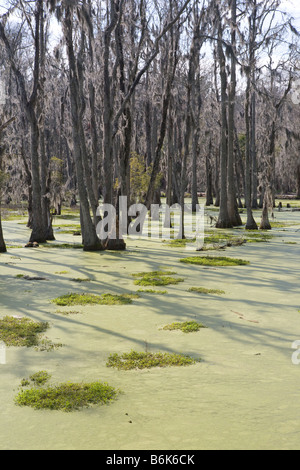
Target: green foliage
[[140, 177], [39, 378], [217, 238], [283, 224], [258, 237], [185, 327], [68, 246], [56, 168], [203, 290], [21, 331], [67, 312], [90, 299], [64, 397], [152, 291], [146, 360], [214, 261], [180, 243], [46, 345], [157, 278]]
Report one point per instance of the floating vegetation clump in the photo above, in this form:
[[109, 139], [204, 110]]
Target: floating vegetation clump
[[23, 332], [67, 312], [185, 327], [46, 344], [69, 229], [65, 246], [215, 237], [214, 261], [90, 299], [147, 360], [39, 378], [215, 240], [152, 291], [283, 224], [258, 237], [157, 278], [16, 331], [203, 290], [179, 243], [64, 397]]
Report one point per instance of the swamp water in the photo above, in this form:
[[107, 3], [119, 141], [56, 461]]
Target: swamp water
[[244, 394]]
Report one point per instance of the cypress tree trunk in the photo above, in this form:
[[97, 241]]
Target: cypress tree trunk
[[209, 195], [298, 181], [223, 220], [2, 242], [38, 233], [265, 223], [250, 224], [90, 240], [29, 106], [233, 213], [217, 179], [253, 151]]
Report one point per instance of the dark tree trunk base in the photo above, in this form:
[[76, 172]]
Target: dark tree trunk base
[[94, 248], [265, 223], [223, 224], [251, 224], [37, 239], [114, 245]]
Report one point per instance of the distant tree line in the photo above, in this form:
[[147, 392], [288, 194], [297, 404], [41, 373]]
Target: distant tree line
[[187, 97]]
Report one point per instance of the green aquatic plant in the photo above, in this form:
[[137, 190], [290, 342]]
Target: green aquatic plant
[[39, 378], [152, 291], [67, 312], [147, 360], [214, 261], [64, 246], [185, 327], [46, 344], [203, 290], [16, 331], [214, 240], [156, 278], [179, 243], [90, 299], [66, 396]]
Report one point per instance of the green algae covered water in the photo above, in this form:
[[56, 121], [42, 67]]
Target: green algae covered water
[[245, 392]]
